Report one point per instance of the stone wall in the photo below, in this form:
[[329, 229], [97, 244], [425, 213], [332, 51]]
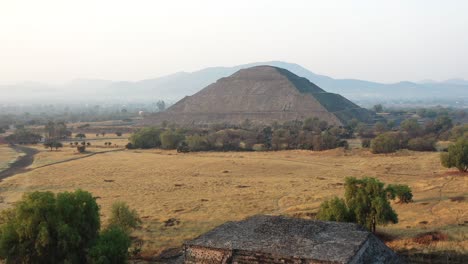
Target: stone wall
[[204, 255]]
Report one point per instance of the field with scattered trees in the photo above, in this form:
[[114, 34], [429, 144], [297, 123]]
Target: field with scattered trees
[[181, 195], [403, 177]]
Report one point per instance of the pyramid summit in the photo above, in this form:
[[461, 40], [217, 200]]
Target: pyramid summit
[[262, 94]]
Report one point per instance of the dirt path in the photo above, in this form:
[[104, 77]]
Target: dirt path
[[20, 165]]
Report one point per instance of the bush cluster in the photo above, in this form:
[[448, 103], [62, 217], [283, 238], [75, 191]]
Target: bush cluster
[[64, 228], [310, 134]]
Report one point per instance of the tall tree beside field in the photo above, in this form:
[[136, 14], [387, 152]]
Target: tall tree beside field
[[366, 202], [60, 228], [48, 228], [457, 155]]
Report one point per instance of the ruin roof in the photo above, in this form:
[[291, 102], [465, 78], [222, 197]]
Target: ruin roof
[[294, 237]]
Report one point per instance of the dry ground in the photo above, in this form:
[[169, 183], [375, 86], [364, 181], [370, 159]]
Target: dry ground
[[7, 156], [203, 190]]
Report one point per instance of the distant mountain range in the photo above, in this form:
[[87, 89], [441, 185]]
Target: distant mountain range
[[175, 86]]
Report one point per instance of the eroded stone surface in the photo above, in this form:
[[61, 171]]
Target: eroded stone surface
[[276, 239], [262, 94]]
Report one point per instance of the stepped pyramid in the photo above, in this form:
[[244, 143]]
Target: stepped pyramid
[[262, 94]]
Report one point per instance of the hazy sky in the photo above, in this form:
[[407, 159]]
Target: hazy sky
[[387, 41]]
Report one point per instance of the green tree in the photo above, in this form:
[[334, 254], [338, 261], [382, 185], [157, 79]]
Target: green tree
[[146, 138], [378, 108], [23, 136], [161, 105], [385, 143], [457, 155], [170, 139], [111, 247], [442, 123], [366, 202], [196, 142], [123, 217], [422, 144], [48, 228], [334, 210], [411, 126], [53, 144], [402, 192], [80, 136], [380, 127]]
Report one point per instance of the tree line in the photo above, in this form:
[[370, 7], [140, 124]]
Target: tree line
[[312, 134]]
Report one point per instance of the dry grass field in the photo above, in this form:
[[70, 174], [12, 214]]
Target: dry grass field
[[7, 156], [180, 196]]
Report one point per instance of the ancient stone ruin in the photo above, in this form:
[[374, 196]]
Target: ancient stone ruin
[[277, 239], [262, 95]]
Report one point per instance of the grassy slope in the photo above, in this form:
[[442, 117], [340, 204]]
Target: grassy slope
[[203, 190]]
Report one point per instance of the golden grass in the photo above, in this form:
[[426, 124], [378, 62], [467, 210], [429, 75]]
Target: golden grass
[[7, 156], [47, 156], [204, 190]]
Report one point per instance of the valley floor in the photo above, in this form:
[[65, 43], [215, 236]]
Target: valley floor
[[180, 196]]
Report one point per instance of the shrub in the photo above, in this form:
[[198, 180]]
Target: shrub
[[403, 192], [111, 247], [227, 139], [170, 139], [53, 144], [430, 237], [124, 218], [457, 155], [183, 147], [197, 143], [23, 136], [129, 146], [385, 143], [48, 228], [366, 203], [146, 138], [334, 210], [80, 136], [366, 143], [422, 144], [411, 126], [81, 149]]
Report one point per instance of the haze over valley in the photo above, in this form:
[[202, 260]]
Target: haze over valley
[[228, 132]]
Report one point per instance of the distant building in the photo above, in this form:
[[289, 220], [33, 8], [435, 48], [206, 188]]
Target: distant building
[[276, 239]]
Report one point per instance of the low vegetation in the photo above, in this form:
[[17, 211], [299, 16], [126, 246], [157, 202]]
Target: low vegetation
[[366, 202], [64, 228], [310, 134], [457, 155]]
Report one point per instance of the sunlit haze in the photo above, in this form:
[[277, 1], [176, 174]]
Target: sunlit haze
[[387, 41]]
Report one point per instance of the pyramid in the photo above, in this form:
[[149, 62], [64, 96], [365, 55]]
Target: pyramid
[[263, 95]]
